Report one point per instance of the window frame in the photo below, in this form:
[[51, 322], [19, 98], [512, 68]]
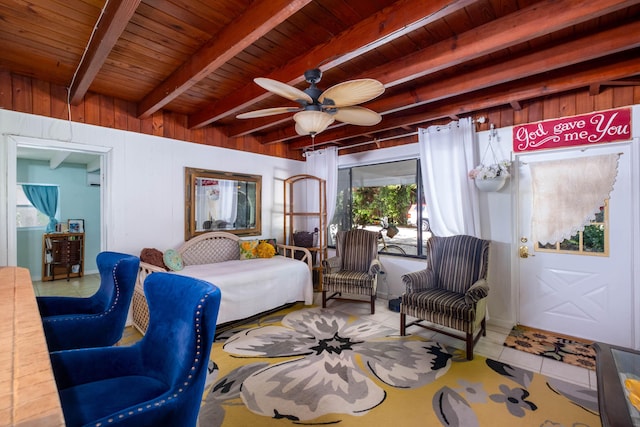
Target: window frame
[[348, 202]]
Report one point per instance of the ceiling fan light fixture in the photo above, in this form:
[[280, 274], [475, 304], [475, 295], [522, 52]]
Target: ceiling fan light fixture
[[312, 122]]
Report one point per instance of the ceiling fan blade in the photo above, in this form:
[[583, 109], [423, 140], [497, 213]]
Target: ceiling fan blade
[[283, 89], [352, 92], [267, 112], [357, 116]]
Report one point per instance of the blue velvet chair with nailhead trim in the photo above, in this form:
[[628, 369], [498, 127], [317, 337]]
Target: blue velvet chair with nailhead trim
[[98, 320], [158, 381]]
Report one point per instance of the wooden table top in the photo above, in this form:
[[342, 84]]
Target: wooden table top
[[28, 393]]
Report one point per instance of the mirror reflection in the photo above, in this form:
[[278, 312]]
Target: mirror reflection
[[222, 201]]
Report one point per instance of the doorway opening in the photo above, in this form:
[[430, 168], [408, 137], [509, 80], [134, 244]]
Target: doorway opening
[[84, 168]]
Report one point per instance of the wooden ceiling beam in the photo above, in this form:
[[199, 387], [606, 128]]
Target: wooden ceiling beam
[[622, 82], [466, 105], [590, 47], [537, 20], [586, 48], [595, 88], [259, 18], [110, 26], [516, 105], [518, 27], [383, 27]]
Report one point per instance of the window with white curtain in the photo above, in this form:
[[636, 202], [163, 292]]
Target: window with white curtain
[[27, 216]]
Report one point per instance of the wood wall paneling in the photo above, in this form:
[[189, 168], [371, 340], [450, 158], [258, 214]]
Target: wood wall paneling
[[29, 95]]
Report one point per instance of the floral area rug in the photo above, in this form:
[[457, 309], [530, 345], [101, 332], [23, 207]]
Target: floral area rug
[[313, 366], [547, 344]]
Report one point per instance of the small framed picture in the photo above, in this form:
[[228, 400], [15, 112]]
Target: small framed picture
[[76, 225]]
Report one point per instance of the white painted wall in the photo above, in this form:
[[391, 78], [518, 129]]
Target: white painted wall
[[145, 178], [496, 222]]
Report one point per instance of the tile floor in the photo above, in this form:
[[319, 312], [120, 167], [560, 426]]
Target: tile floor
[[490, 346], [84, 286]]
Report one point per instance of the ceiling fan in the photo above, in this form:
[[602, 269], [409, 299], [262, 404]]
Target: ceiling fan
[[318, 109]]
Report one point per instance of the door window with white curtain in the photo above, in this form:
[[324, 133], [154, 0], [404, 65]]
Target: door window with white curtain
[[385, 197], [593, 240]]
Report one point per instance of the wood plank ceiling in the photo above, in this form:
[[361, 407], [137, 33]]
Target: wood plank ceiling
[[437, 59]]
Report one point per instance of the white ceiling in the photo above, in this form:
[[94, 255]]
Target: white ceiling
[[58, 157]]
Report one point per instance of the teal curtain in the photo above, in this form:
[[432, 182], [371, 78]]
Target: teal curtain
[[45, 199]]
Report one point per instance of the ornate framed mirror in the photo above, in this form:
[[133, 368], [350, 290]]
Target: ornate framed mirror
[[222, 201]]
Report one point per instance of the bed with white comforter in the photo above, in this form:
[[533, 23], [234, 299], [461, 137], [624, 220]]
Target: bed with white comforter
[[255, 285], [248, 286]]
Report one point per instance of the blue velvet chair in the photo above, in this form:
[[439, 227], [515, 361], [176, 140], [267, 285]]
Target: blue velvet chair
[[158, 381], [96, 321]]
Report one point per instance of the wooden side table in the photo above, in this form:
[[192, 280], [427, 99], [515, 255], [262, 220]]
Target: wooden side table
[[613, 365]]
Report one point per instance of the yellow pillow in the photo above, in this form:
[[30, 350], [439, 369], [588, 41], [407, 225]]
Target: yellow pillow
[[265, 250]]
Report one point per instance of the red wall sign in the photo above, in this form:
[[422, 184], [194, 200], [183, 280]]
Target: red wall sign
[[587, 129]]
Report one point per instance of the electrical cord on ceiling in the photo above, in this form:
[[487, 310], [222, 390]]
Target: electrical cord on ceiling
[[75, 74]]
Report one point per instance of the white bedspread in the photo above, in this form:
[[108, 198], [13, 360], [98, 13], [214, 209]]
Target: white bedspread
[[249, 287]]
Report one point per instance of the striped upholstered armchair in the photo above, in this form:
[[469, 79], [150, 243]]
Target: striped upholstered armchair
[[354, 269], [452, 291]]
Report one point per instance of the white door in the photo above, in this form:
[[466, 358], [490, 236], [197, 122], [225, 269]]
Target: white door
[[579, 295]]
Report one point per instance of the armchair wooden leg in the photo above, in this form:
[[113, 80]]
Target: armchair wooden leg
[[403, 324], [324, 299], [483, 324], [373, 304], [469, 346]]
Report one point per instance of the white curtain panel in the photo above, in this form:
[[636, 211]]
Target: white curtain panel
[[227, 206], [324, 164], [202, 197], [447, 153], [568, 193]]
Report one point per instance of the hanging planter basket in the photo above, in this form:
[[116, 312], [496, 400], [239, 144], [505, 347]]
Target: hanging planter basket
[[490, 176], [491, 184]]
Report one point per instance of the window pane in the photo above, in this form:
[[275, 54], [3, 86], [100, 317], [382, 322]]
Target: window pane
[[593, 237], [600, 215], [547, 246], [571, 244], [369, 195], [26, 214], [30, 217]]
